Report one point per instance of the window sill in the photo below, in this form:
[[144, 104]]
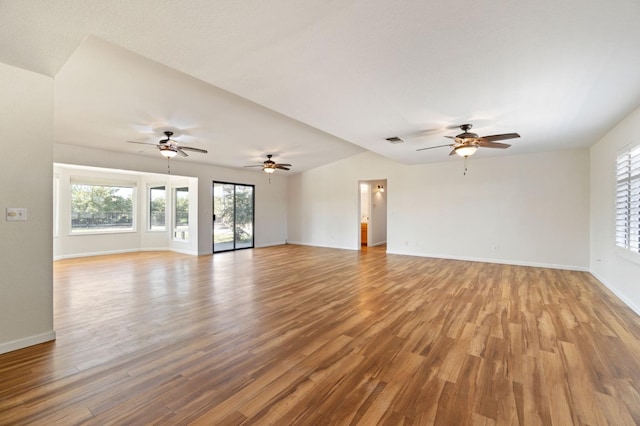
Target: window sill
[[102, 232], [628, 255]]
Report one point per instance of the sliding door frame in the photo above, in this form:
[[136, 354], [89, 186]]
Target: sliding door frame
[[253, 215]]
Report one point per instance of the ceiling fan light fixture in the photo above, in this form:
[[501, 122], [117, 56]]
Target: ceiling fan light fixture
[[269, 170], [466, 150], [168, 152]]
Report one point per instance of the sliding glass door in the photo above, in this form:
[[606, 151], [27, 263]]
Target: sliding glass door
[[233, 207]]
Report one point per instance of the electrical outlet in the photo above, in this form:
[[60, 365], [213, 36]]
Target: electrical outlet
[[14, 214]]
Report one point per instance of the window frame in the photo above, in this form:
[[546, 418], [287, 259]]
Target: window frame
[[174, 222], [103, 183], [150, 188], [627, 203]]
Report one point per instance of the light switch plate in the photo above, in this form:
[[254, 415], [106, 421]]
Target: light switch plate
[[16, 214]]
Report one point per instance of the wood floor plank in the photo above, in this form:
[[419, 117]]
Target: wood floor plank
[[313, 336]]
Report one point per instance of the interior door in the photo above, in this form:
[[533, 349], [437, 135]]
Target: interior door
[[233, 216]]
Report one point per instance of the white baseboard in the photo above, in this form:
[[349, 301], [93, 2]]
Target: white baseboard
[[487, 260], [96, 253], [137, 250], [175, 250], [278, 243], [14, 345], [321, 245], [377, 244], [619, 295]]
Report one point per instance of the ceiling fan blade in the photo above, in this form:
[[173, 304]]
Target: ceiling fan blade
[[143, 143], [431, 147], [181, 152], [280, 166], [453, 151], [502, 137], [190, 148], [484, 144], [256, 165], [283, 164]]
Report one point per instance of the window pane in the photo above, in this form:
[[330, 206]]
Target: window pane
[[244, 216], [181, 214], [157, 203], [628, 200], [223, 209], [101, 207]]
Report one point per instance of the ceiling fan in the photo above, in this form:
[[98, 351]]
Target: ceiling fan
[[169, 148], [467, 143], [270, 166]]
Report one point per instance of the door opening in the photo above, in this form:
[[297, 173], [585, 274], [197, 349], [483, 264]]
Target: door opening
[[233, 216], [372, 213], [365, 213]]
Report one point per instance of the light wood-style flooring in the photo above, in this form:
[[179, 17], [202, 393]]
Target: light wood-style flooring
[[311, 336]]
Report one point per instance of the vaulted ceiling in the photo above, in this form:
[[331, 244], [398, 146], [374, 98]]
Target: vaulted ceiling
[[316, 81]]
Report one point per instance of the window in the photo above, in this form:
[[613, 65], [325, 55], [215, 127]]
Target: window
[[628, 200], [101, 208], [181, 214], [157, 203]]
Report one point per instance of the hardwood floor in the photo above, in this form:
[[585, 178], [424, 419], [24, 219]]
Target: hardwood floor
[[302, 335]]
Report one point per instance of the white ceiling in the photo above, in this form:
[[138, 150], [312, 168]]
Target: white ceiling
[[560, 73]]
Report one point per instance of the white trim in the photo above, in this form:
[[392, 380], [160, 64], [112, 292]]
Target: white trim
[[102, 231], [377, 244], [25, 342], [175, 250], [298, 243], [147, 197], [619, 295], [96, 253], [499, 261], [277, 243], [136, 250], [627, 254]]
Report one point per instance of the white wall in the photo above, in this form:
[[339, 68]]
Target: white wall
[[365, 202], [378, 231], [270, 198], [66, 244], [531, 210], [621, 275], [26, 274]]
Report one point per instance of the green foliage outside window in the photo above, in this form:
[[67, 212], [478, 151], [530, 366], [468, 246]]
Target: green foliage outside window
[[243, 210], [100, 207], [181, 210], [157, 203]]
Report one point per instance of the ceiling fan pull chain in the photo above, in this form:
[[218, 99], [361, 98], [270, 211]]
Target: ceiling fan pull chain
[[169, 166], [465, 166]]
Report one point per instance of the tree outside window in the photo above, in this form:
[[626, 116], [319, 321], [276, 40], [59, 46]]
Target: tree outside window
[[157, 203], [234, 205], [101, 207], [181, 223]]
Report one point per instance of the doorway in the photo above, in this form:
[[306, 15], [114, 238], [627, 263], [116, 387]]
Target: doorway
[[372, 213], [233, 216]]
